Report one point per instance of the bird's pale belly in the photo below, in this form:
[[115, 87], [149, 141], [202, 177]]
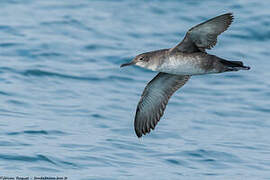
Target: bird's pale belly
[[183, 66]]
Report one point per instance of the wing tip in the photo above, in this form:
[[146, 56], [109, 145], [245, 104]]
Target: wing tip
[[229, 13], [138, 133], [141, 131], [231, 16]]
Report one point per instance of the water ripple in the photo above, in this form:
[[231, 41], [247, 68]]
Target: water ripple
[[28, 159], [36, 132], [37, 72]]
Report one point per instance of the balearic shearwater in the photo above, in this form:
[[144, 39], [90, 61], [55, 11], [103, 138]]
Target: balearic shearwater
[[176, 66]]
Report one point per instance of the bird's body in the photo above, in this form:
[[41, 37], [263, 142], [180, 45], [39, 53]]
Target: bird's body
[[180, 63], [176, 65], [183, 64]]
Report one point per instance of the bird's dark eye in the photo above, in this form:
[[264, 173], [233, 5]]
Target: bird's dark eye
[[144, 58]]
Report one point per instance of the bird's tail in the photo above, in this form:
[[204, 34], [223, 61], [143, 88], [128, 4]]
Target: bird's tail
[[234, 65]]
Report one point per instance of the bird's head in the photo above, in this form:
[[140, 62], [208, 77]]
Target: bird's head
[[141, 60]]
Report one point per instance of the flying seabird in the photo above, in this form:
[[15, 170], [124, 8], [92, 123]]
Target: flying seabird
[[176, 66]]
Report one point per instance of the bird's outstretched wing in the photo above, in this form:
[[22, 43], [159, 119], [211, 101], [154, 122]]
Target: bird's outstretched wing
[[204, 36], [154, 100]]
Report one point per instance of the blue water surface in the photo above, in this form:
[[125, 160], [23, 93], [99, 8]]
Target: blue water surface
[[67, 109]]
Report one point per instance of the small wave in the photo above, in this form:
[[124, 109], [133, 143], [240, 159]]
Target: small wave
[[26, 158], [9, 44], [9, 144], [10, 30], [38, 132], [67, 21], [95, 47], [37, 72], [16, 102], [5, 93], [176, 162], [41, 73], [210, 156], [44, 169], [49, 54]]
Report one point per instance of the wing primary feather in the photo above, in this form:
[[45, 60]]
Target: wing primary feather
[[204, 35], [154, 100]]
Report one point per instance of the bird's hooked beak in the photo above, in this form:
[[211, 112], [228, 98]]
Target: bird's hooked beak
[[128, 64]]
